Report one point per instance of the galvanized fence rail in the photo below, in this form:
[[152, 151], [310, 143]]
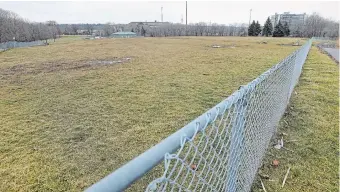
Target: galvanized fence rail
[[14, 44], [222, 149]]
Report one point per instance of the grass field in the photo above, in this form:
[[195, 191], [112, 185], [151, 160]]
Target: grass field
[[311, 127], [70, 114]]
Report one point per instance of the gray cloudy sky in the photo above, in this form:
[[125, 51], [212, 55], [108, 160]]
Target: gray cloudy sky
[[127, 11]]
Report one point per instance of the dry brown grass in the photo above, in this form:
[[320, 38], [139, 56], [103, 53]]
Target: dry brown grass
[[64, 126], [311, 123]]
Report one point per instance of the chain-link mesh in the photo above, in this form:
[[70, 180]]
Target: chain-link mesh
[[324, 38], [14, 44], [226, 154]]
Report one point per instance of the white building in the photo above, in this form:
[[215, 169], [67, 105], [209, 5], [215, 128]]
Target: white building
[[292, 19]]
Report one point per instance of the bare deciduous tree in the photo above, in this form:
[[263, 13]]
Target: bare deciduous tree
[[74, 29], [53, 28], [108, 29], [89, 29], [13, 27]]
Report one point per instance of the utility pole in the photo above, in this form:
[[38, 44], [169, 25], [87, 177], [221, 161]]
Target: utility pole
[[249, 20], [250, 16], [162, 14], [186, 18]]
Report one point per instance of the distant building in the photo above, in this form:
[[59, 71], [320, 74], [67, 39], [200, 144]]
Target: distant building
[[123, 35], [96, 33], [82, 32], [149, 24], [291, 19]]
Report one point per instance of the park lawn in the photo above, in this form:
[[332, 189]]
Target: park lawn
[[67, 121], [312, 125]]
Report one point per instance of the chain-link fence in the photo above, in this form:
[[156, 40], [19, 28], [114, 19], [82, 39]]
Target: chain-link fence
[[324, 38], [222, 149], [327, 44], [14, 44]]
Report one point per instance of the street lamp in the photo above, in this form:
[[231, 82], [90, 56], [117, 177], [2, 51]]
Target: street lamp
[[250, 16]]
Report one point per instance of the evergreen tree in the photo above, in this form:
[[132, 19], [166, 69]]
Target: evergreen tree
[[257, 28], [286, 30], [267, 28], [252, 29], [143, 31], [270, 28], [278, 30]]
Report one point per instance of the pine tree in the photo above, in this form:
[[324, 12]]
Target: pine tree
[[257, 28], [252, 29], [267, 28], [270, 28], [278, 30], [286, 30], [143, 31]]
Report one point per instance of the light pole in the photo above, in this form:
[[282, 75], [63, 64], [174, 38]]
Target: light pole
[[186, 13], [186, 18], [250, 16]]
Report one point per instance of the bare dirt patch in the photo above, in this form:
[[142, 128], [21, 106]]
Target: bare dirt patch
[[109, 62], [22, 69], [297, 43], [223, 46]]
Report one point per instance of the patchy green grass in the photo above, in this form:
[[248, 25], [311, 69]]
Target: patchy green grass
[[311, 124], [65, 122]]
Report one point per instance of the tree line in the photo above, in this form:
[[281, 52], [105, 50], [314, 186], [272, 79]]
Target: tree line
[[170, 29], [13, 27], [314, 25], [193, 29]]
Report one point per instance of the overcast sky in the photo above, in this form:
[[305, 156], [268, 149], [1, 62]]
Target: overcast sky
[[127, 11]]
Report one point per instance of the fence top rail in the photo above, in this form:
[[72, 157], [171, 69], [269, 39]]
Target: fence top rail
[[123, 177], [21, 42]]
